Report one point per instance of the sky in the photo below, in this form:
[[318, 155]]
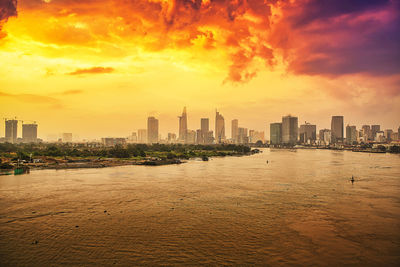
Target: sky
[[100, 68]]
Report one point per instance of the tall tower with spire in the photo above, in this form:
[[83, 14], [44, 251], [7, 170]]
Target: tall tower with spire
[[183, 126]]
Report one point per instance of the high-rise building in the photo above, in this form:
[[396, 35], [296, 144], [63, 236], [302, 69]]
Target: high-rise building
[[308, 133], [380, 137], [275, 133], [235, 130], [388, 134], [11, 131], [171, 137], [67, 137], [337, 129], [366, 132], [255, 136], [289, 129], [29, 133], [374, 130], [183, 126], [191, 137], [219, 128], [395, 136], [325, 136], [133, 138], [152, 130], [351, 134], [142, 136], [242, 137], [205, 128]]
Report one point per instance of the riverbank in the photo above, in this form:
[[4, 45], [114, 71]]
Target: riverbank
[[52, 156]]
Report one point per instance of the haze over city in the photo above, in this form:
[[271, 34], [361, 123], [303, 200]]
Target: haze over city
[[250, 60]]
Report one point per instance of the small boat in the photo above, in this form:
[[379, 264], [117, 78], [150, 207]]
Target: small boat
[[204, 158], [21, 170]]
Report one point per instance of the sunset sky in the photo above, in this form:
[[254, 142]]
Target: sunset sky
[[99, 67]]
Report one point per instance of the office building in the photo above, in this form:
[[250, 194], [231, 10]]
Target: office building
[[183, 126], [29, 133], [308, 133], [205, 128], [152, 130], [242, 137], [324, 136], [366, 132], [255, 136], [275, 133], [289, 130], [351, 134], [11, 131], [395, 136], [171, 138], [219, 128], [388, 134], [142, 136], [337, 131], [235, 130], [380, 137], [67, 137], [374, 130]]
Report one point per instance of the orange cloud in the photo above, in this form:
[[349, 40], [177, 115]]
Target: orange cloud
[[94, 70]]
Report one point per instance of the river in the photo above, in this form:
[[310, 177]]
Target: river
[[300, 208]]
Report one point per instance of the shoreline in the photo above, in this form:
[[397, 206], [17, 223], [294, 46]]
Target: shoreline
[[59, 164]]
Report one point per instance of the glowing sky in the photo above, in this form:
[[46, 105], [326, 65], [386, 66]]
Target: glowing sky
[[100, 67]]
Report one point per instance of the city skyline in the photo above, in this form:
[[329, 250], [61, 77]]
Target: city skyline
[[61, 67], [291, 130]]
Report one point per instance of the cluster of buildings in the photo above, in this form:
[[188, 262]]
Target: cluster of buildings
[[187, 136], [29, 132], [288, 132]]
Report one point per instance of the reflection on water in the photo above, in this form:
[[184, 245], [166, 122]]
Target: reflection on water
[[299, 208]]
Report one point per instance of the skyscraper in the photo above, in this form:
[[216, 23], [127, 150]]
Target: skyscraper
[[219, 128], [255, 136], [11, 131], [205, 128], [351, 134], [29, 133], [242, 137], [152, 130], [235, 130], [183, 126], [388, 134], [171, 137], [325, 136], [289, 129], [367, 133], [337, 125], [308, 133], [275, 133], [374, 130], [142, 136]]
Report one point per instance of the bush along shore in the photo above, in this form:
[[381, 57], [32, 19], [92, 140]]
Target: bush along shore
[[70, 156]]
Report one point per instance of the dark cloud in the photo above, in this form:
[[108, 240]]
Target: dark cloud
[[93, 70], [341, 37], [326, 9], [8, 8]]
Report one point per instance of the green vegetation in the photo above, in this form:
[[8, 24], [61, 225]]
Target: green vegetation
[[137, 151]]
